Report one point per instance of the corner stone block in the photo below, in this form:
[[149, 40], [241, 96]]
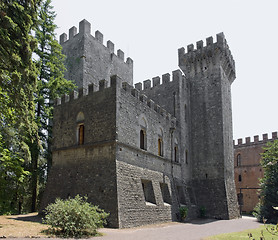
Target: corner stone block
[[200, 44], [110, 46], [99, 36], [209, 41], [147, 84], [156, 81], [190, 48], [84, 27], [138, 86], [165, 78], [72, 32], [102, 84], [120, 54], [115, 80], [63, 38], [177, 75]]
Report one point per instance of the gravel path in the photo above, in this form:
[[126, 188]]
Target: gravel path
[[181, 231]]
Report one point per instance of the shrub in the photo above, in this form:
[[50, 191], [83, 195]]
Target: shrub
[[203, 211], [183, 212], [74, 217]]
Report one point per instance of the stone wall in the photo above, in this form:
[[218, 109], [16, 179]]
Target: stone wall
[[247, 168], [87, 169], [88, 60], [210, 71]]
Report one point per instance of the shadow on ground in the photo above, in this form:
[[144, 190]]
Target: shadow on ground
[[33, 218]]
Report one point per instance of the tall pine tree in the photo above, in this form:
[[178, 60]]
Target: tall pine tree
[[51, 84], [18, 77]]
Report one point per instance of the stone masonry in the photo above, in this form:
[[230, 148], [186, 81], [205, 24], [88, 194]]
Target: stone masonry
[[142, 152], [248, 170]]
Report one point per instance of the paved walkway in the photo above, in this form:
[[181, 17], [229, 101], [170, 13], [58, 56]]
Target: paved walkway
[[195, 230]]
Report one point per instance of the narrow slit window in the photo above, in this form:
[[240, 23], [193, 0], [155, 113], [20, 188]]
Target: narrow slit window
[[160, 147], [176, 154], [238, 160]]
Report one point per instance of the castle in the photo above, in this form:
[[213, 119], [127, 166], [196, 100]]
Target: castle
[[142, 152], [248, 170]]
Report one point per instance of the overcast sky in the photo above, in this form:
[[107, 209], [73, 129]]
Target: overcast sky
[[151, 31]]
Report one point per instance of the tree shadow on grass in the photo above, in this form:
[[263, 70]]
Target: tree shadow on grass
[[33, 218]]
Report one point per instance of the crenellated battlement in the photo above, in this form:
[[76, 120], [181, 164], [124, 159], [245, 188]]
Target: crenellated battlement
[[114, 82], [256, 140], [85, 29], [136, 93], [158, 81], [201, 58]]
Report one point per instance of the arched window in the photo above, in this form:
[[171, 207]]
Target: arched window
[[143, 139], [81, 134], [238, 160], [160, 147], [80, 128], [143, 132]]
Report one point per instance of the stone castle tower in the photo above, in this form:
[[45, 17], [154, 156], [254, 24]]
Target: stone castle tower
[[142, 152]]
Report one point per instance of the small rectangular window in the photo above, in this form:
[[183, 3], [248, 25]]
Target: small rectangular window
[[148, 191], [165, 193]]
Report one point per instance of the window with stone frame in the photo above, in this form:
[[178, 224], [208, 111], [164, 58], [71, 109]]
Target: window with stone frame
[[143, 144], [148, 191], [165, 193]]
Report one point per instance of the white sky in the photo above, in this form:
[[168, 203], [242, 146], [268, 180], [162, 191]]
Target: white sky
[[151, 31]]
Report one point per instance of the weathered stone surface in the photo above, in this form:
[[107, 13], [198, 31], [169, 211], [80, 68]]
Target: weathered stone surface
[[147, 150]]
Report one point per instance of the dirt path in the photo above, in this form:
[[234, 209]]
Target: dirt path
[[26, 226]]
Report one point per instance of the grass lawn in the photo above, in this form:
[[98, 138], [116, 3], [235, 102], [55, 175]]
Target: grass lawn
[[256, 234]]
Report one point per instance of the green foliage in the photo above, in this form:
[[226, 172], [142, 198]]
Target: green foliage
[[202, 211], [18, 78], [18, 73], [269, 185], [50, 85], [12, 176], [183, 212], [74, 217]]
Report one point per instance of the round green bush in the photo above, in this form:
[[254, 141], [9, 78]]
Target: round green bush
[[74, 217]]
